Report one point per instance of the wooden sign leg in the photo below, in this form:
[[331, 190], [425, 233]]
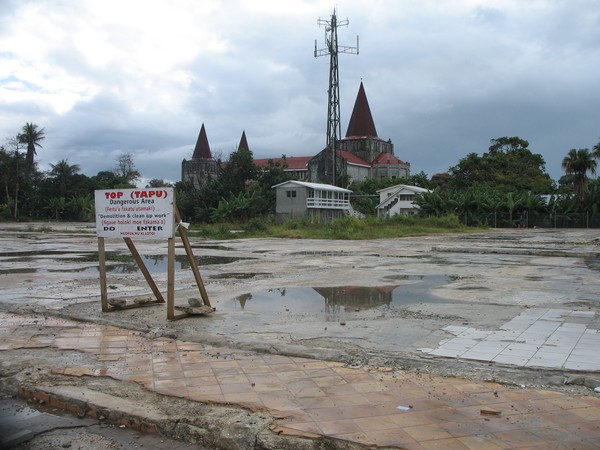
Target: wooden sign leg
[[190, 255], [171, 280], [102, 270], [144, 269]]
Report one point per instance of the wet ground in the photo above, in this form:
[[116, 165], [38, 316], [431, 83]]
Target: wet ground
[[356, 301], [438, 304]]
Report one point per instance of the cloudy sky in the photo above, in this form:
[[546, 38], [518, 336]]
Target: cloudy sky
[[443, 77]]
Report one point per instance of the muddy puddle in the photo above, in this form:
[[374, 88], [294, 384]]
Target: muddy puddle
[[593, 263], [115, 262], [329, 300]]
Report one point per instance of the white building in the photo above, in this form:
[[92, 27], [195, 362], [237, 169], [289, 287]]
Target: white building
[[398, 199], [316, 201]]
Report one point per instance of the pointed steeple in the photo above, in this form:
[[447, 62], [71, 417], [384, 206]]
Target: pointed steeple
[[361, 122], [243, 142], [202, 150]]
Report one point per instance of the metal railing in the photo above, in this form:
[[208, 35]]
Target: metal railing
[[329, 203]]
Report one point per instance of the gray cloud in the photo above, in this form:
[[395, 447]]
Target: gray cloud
[[442, 78]]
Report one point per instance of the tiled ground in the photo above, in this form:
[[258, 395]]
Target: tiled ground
[[313, 398], [554, 338]]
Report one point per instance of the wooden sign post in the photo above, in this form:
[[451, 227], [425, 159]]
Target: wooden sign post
[[145, 214]]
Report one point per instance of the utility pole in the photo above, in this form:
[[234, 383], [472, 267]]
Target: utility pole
[[334, 127]]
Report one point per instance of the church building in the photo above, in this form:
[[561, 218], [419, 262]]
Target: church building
[[202, 167], [360, 155]]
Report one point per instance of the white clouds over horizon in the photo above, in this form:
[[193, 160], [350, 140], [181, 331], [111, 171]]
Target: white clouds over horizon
[[443, 77]]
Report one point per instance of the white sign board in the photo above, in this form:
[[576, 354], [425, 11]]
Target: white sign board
[[135, 213]]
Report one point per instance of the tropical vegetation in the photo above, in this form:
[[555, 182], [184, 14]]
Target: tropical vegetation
[[505, 186]]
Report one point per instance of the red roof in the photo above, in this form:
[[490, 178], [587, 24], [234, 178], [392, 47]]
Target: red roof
[[387, 158], [293, 162], [352, 158], [361, 122], [202, 150]]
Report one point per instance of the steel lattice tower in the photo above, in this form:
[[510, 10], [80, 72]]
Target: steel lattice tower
[[334, 127]]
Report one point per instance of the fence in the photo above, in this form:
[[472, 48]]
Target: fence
[[524, 219]]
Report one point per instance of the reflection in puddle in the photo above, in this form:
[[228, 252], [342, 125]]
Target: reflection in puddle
[[331, 300], [240, 276], [593, 263], [115, 262]]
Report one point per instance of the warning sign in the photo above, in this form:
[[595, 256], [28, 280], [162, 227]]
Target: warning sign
[[135, 213]]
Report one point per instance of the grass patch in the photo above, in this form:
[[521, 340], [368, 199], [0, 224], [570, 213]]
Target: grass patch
[[346, 228]]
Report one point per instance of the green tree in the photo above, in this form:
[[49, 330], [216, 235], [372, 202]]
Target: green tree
[[419, 179], [18, 184], [578, 163], [508, 166], [441, 180], [80, 207], [107, 180], [270, 176], [157, 183], [32, 137], [126, 170], [238, 171], [511, 203], [63, 173], [56, 206]]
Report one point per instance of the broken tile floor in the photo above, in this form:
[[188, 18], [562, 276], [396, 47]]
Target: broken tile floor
[[538, 337], [313, 398]]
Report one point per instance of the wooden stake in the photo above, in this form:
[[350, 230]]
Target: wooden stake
[[102, 270], [191, 259], [144, 269]]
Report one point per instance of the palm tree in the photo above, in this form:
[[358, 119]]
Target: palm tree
[[62, 171], [512, 201], [596, 151], [32, 137], [578, 163]]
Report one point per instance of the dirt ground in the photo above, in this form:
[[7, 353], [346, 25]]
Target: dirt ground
[[375, 302]]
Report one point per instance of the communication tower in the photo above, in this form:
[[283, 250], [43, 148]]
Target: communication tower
[[334, 128]]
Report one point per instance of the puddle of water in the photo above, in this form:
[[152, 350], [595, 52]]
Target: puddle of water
[[321, 253], [330, 300], [241, 276], [593, 263], [211, 247], [116, 262]]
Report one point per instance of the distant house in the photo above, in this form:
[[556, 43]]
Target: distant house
[[398, 199], [315, 201]]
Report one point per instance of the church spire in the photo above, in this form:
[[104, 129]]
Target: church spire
[[202, 150], [361, 122], [243, 142]]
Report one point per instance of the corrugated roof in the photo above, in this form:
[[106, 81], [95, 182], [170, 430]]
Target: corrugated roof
[[399, 187], [319, 186]]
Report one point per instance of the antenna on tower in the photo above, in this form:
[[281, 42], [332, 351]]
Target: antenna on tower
[[334, 128]]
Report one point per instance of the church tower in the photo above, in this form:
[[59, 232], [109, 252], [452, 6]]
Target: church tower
[[202, 167], [361, 137], [361, 154]]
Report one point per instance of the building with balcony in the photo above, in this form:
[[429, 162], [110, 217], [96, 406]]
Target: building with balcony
[[314, 201], [398, 199]]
